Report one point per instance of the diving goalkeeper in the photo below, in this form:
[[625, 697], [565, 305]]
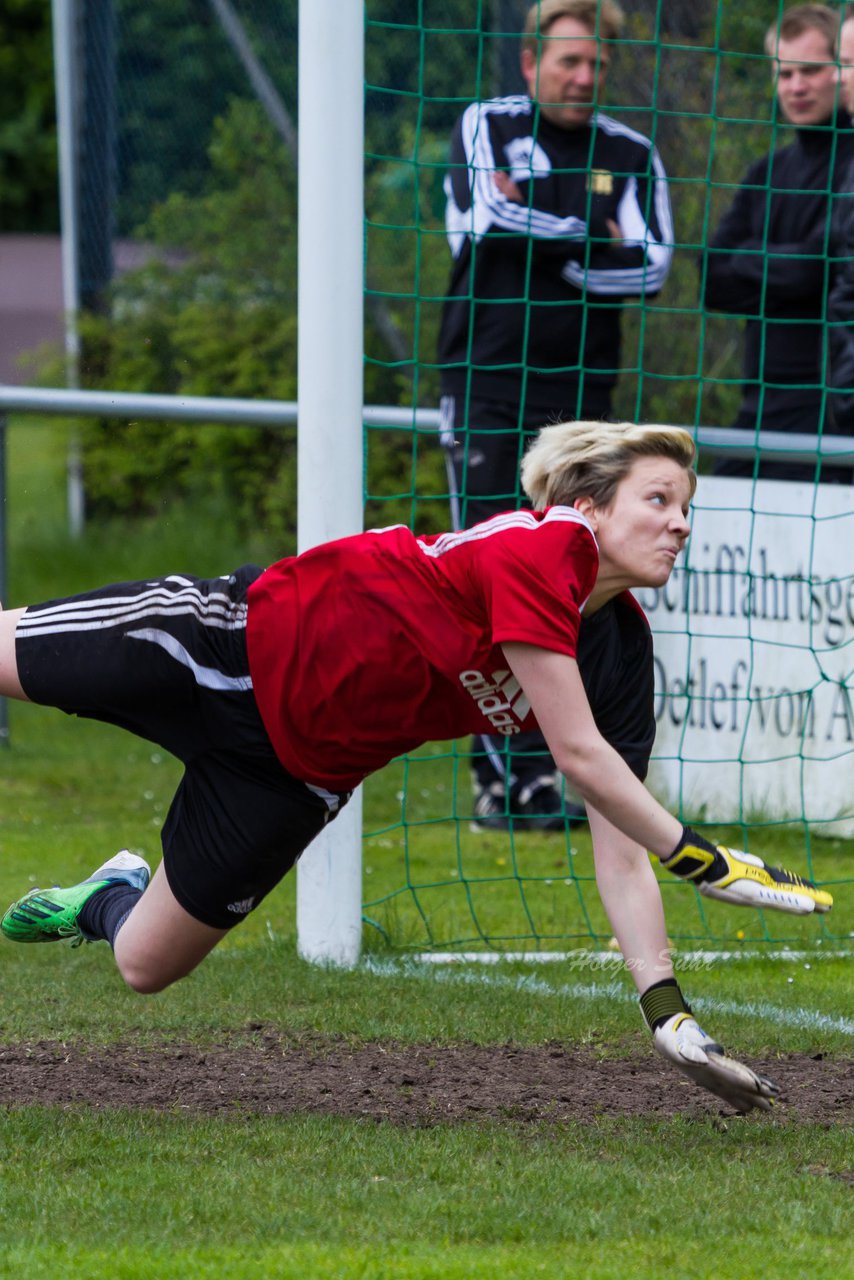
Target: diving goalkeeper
[[281, 690]]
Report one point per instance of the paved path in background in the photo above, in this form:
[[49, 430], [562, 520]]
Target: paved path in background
[[30, 301]]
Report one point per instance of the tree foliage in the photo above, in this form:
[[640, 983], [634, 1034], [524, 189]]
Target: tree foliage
[[28, 186], [214, 313], [175, 75]]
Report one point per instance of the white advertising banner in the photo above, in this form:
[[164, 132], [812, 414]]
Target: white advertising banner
[[754, 657]]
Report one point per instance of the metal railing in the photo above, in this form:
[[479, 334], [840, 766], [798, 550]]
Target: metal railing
[[785, 446]]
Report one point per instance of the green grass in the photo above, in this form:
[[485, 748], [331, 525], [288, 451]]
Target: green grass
[[761, 1008], [325, 1197], [133, 1194]]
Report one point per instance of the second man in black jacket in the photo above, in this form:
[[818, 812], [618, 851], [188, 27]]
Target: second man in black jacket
[[770, 259]]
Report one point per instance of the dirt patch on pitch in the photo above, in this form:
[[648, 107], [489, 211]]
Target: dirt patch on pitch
[[404, 1084]]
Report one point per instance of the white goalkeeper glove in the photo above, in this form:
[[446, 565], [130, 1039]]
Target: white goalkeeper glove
[[731, 875], [678, 1037]]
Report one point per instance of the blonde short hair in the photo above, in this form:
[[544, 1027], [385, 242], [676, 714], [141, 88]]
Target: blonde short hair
[[573, 460]]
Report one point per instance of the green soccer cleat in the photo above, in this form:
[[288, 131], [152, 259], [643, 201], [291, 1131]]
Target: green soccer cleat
[[48, 915]]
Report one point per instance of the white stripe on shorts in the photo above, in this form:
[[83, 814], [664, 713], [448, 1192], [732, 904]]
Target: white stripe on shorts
[[330, 799], [215, 610], [207, 677]]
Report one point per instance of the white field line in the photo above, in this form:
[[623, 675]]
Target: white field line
[[802, 1019], [580, 959]]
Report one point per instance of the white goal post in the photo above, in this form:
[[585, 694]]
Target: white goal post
[[330, 354]]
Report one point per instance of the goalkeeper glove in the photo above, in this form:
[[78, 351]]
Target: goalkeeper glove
[[678, 1037], [741, 878]]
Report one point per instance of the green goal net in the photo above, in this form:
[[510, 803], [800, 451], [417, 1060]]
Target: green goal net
[[755, 632]]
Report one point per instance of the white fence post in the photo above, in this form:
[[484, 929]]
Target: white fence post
[[330, 393], [65, 18]]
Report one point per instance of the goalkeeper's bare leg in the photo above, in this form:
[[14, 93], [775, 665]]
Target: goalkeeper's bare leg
[[159, 941]]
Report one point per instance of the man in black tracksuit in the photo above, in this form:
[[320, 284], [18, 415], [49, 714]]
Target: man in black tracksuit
[[769, 260], [555, 213]]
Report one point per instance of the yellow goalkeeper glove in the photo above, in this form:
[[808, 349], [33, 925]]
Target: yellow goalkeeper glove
[[730, 875]]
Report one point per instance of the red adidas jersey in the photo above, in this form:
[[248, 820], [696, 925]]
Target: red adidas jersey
[[364, 648]]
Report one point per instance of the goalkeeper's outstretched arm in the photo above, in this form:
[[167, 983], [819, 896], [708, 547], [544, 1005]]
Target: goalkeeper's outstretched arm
[[552, 683], [632, 900]]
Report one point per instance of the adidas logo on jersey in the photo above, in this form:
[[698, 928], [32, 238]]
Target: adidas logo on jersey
[[499, 697]]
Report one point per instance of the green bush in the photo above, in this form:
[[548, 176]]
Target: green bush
[[213, 313]]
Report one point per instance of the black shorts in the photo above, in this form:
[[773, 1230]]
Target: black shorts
[[166, 659]]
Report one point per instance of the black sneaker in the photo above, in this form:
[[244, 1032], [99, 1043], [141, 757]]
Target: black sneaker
[[541, 807], [490, 810]]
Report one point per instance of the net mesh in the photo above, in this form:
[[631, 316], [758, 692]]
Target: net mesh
[[755, 631]]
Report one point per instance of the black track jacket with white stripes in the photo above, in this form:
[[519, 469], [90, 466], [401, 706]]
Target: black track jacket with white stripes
[[535, 294]]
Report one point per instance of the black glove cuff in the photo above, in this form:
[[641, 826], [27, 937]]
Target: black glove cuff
[[690, 836], [687, 865], [660, 1001]]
